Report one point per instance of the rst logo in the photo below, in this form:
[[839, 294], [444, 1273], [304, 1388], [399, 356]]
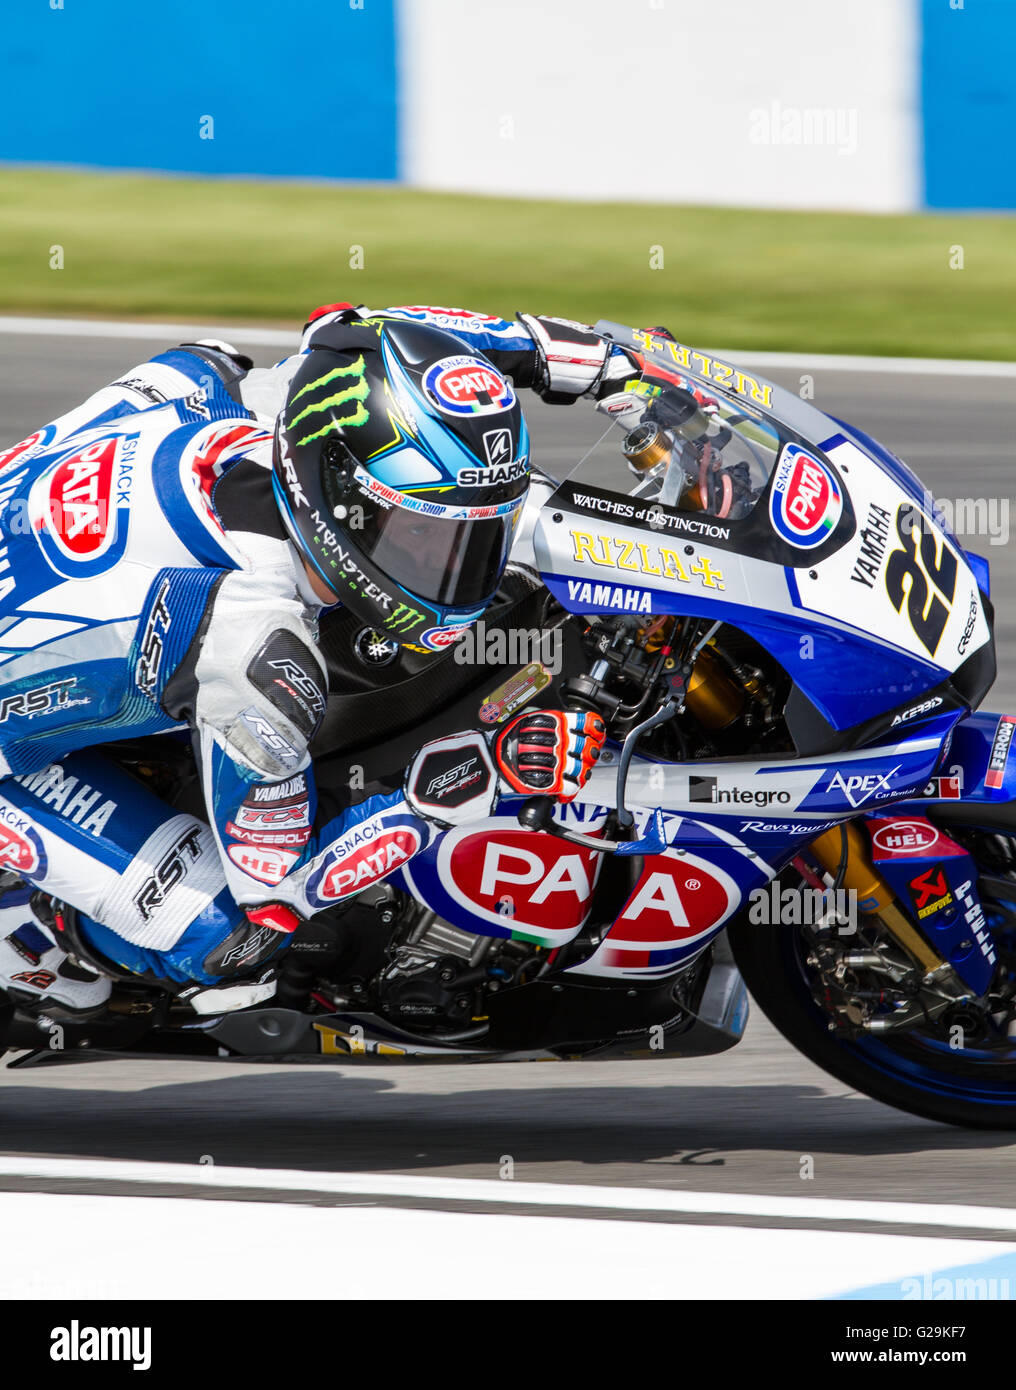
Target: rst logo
[[80, 507], [467, 386], [805, 503]]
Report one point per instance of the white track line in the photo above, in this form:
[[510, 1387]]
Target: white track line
[[172, 332], [513, 1193], [278, 337]]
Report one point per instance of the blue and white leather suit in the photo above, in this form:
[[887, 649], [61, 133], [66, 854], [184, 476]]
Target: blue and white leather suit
[[147, 585]]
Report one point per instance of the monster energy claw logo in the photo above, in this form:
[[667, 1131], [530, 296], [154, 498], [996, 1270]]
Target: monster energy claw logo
[[404, 617], [352, 396]]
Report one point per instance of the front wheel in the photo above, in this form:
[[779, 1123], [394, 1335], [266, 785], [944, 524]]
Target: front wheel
[[920, 1069]]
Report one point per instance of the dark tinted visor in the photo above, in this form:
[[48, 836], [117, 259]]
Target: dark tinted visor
[[450, 563]]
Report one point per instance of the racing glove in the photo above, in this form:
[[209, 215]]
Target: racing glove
[[570, 357], [458, 778], [549, 752]]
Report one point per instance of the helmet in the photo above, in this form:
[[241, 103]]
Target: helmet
[[401, 466]]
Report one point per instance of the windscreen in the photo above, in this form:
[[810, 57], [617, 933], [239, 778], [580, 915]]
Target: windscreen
[[695, 449]]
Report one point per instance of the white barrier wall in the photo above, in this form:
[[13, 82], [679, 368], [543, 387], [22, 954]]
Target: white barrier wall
[[766, 103]]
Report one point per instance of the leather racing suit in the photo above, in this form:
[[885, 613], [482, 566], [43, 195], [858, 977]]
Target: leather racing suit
[[147, 586]]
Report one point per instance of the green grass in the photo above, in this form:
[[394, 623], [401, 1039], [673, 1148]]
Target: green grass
[[231, 250]]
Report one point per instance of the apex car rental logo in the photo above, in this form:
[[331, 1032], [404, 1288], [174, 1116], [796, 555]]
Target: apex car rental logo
[[80, 507], [367, 853], [861, 787], [467, 386], [805, 503]]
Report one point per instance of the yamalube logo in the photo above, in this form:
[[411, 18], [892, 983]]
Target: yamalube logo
[[805, 503], [467, 386]]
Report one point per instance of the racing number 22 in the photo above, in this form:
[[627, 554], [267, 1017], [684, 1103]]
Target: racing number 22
[[919, 562]]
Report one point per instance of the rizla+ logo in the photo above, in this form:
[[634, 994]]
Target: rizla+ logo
[[351, 396]]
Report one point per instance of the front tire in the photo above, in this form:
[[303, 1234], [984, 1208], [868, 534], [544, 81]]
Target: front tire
[[913, 1070]]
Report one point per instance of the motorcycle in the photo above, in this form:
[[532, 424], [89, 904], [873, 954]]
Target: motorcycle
[[798, 795]]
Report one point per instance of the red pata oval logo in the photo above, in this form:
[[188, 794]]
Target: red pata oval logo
[[905, 837], [8, 456], [805, 503], [673, 902], [354, 871], [467, 386], [17, 851], [80, 492], [524, 880]]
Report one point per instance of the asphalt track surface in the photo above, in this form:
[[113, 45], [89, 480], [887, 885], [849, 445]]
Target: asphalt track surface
[[741, 1122]]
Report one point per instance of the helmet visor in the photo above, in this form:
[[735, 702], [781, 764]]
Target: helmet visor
[[451, 561]]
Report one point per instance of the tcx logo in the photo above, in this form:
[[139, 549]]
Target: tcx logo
[[859, 788], [171, 869]]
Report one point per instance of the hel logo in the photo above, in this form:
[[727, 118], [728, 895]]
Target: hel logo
[[674, 901], [549, 882], [266, 865], [805, 503], [1000, 747], [905, 837], [353, 872], [21, 849], [467, 386], [79, 508]]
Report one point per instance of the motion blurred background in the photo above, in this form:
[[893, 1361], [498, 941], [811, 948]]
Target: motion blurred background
[[786, 174]]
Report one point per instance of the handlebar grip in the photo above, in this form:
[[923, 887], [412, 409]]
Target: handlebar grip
[[537, 813]]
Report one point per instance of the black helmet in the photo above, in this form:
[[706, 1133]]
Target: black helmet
[[401, 467]]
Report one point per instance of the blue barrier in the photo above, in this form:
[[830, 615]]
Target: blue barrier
[[968, 103], [302, 88]]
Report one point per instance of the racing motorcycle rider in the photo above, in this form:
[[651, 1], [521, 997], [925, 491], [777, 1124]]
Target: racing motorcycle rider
[[165, 551]]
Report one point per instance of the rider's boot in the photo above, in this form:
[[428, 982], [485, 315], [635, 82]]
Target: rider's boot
[[35, 972]]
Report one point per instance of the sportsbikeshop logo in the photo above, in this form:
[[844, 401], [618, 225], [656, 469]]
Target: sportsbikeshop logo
[[77, 1343]]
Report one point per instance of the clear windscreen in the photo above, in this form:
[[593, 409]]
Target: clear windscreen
[[692, 447]]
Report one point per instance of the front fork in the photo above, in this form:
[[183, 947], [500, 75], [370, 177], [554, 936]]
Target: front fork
[[948, 944]]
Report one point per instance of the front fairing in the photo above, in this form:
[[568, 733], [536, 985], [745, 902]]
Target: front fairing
[[854, 586]]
